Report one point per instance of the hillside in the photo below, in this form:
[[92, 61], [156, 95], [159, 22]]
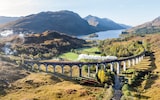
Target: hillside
[[4, 19], [47, 44], [62, 21], [26, 85], [149, 87], [147, 28], [103, 24], [20, 84]]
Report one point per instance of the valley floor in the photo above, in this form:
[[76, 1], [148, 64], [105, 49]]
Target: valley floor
[[19, 84]]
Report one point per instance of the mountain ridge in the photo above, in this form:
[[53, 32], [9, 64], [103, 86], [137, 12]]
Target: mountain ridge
[[146, 28], [63, 21], [103, 24], [6, 19]]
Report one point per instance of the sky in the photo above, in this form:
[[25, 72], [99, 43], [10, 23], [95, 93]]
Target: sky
[[130, 12]]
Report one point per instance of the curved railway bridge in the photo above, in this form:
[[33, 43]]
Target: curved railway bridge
[[117, 65]]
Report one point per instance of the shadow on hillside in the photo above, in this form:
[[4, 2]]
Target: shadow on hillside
[[149, 72], [140, 96], [152, 59], [152, 76], [2, 90], [59, 77], [148, 76], [151, 81], [63, 77]]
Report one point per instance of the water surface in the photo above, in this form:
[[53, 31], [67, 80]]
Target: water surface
[[104, 35]]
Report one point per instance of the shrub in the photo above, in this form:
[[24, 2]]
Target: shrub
[[127, 98], [105, 77], [130, 71], [125, 87], [127, 93]]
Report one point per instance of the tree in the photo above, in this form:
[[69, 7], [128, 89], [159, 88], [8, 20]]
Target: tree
[[125, 87], [105, 77], [101, 76]]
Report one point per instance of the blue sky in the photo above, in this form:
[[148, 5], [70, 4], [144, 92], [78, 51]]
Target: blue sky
[[131, 12]]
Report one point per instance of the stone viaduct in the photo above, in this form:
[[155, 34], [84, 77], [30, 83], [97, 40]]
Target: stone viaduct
[[114, 65]]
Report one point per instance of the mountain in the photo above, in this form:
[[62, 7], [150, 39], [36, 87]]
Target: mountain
[[146, 28], [62, 21], [4, 19], [103, 24]]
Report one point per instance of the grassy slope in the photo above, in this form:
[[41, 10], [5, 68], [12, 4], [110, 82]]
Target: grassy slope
[[40, 86], [152, 88], [144, 65], [69, 56]]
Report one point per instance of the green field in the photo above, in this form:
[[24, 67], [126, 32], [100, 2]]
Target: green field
[[69, 56], [74, 54]]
